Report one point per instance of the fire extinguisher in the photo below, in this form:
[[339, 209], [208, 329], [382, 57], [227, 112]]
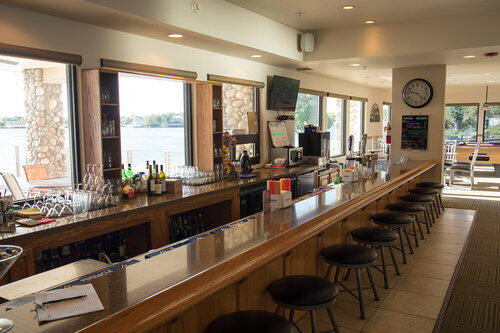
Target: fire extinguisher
[[388, 133]]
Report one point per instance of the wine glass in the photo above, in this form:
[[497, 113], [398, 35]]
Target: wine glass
[[5, 264]]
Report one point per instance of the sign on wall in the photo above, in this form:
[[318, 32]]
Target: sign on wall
[[415, 130], [375, 114]]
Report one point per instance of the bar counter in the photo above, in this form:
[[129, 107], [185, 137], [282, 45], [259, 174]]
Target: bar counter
[[184, 288]]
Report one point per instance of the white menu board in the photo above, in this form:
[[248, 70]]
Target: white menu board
[[279, 134]]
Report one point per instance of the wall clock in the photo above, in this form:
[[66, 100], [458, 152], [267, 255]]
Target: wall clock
[[417, 93]]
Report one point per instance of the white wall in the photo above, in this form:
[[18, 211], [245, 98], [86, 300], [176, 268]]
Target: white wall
[[32, 29], [436, 75]]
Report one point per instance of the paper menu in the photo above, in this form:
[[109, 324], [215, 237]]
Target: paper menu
[[67, 307], [279, 133]]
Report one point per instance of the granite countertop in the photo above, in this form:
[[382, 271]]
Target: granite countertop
[[176, 267], [141, 202]]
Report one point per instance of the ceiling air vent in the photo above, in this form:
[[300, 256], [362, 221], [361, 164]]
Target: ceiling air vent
[[303, 69]]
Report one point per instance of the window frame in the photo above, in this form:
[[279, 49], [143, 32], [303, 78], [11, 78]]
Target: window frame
[[73, 124], [477, 117], [484, 122], [344, 125], [250, 138]]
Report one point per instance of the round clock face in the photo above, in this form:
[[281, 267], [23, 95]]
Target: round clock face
[[417, 93]]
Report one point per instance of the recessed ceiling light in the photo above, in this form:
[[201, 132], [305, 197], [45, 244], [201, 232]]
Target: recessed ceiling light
[[370, 21], [469, 56], [256, 56], [175, 36], [347, 7], [355, 65]]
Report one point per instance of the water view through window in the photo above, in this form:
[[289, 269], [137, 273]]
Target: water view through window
[[34, 134], [335, 124], [152, 121], [307, 112]]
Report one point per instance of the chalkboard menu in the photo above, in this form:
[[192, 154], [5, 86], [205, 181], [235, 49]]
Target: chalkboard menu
[[415, 132]]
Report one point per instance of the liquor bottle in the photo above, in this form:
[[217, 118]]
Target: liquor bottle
[[151, 182], [162, 180], [158, 186], [147, 166], [129, 174], [124, 176]]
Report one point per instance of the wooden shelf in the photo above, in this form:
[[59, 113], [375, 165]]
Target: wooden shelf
[[110, 137], [111, 169], [109, 104]]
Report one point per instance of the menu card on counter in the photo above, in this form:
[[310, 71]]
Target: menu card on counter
[[415, 130]]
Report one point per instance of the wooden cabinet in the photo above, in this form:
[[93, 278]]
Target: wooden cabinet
[[101, 120], [209, 133], [324, 180]]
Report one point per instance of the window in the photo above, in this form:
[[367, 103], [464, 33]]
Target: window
[[241, 119], [356, 121], [37, 122], [460, 122], [492, 123], [307, 112], [155, 121], [386, 116], [335, 124]]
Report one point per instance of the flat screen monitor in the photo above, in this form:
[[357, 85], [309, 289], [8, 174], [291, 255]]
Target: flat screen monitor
[[284, 94]]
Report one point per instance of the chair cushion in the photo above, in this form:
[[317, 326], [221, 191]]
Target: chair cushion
[[392, 218], [423, 190], [250, 322], [417, 198], [460, 166], [303, 290], [349, 254], [406, 206], [374, 234], [434, 185]]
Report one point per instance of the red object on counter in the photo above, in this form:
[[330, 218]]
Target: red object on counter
[[47, 220]]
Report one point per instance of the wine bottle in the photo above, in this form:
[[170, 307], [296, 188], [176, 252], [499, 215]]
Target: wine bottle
[[130, 174], [151, 183], [124, 176], [157, 184], [162, 180]]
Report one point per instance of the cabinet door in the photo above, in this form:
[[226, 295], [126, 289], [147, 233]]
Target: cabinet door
[[324, 180]]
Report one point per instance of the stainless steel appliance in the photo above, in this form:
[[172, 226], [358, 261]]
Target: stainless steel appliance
[[292, 155]]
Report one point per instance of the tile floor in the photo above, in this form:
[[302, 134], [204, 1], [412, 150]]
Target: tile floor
[[413, 300]]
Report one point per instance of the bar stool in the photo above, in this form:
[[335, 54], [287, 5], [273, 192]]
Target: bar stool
[[250, 322], [400, 222], [428, 191], [413, 209], [423, 199], [304, 293], [351, 256], [378, 238], [436, 186]]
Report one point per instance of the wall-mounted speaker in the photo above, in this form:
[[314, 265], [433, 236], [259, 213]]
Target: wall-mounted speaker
[[307, 42]]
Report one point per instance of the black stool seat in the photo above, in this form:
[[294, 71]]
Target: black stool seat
[[349, 254], [303, 290], [250, 322], [424, 190], [392, 218], [434, 185], [374, 235], [406, 206], [417, 198]]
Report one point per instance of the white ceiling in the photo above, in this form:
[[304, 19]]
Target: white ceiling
[[377, 71], [14, 64], [327, 14]]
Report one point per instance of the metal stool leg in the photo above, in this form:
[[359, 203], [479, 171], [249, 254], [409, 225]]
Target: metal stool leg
[[346, 277], [394, 261], [313, 321], [332, 320], [360, 293], [426, 220], [337, 273], [374, 289], [384, 267], [290, 316], [329, 272], [437, 204], [419, 226], [278, 309], [415, 232], [401, 241], [405, 229], [441, 201]]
